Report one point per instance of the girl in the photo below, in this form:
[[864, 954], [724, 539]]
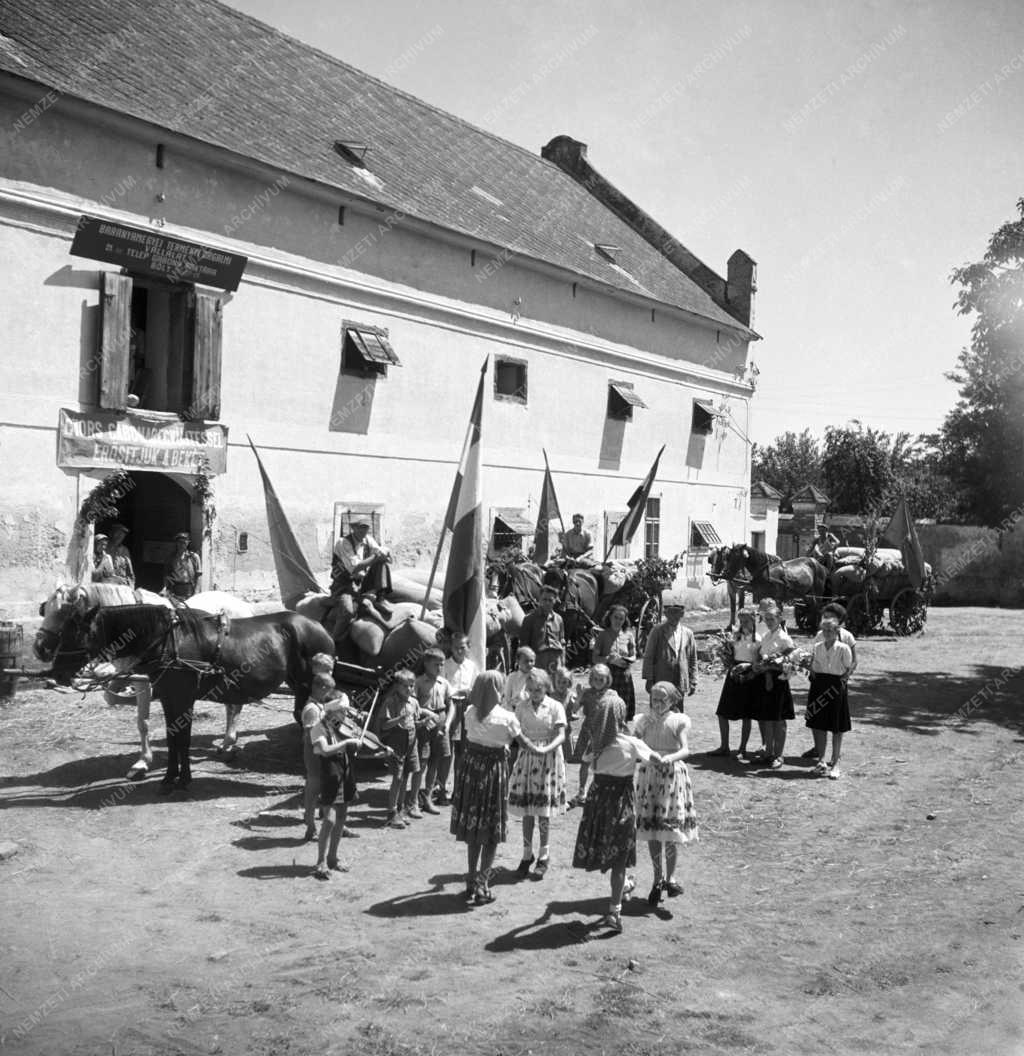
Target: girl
[[566, 692], [664, 795], [399, 710], [607, 834], [536, 788], [337, 783], [480, 798], [828, 706], [616, 647], [600, 690], [739, 698], [515, 684], [775, 700], [833, 608]]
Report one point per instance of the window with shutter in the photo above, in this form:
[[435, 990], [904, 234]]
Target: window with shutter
[[204, 401], [115, 331]]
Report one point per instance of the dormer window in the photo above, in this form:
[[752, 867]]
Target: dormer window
[[353, 151]]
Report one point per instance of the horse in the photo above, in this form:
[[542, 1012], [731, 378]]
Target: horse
[[189, 655], [795, 580], [67, 602], [737, 586]]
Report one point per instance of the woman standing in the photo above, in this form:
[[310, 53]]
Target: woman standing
[[616, 647], [606, 840], [664, 795], [480, 798], [828, 706], [776, 698], [537, 784]]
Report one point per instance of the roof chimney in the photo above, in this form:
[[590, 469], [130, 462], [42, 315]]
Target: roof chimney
[[741, 285]]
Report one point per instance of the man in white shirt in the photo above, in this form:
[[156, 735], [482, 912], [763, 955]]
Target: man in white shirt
[[576, 542], [360, 566]]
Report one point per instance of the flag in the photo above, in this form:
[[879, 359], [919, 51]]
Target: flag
[[464, 578], [546, 513], [294, 576], [901, 531], [637, 504]]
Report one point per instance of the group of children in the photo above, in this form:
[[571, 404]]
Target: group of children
[[757, 687], [510, 738]]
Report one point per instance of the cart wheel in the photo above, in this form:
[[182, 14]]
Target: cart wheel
[[908, 612], [649, 618], [861, 616]]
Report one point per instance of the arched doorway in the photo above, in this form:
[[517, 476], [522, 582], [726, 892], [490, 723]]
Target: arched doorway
[[156, 508]]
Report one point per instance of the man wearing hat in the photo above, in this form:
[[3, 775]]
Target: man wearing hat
[[359, 566], [102, 564], [182, 572], [122, 559], [671, 652]]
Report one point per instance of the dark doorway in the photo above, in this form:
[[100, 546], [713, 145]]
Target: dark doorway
[[153, 511]]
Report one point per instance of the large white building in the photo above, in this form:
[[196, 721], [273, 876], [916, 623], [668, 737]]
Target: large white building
[[210, 230]]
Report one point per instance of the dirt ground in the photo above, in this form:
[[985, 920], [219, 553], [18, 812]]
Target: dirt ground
[[880, 913]]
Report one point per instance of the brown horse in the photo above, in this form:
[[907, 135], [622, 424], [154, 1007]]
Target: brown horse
[[189, 655], [737, 587], [796, 580]]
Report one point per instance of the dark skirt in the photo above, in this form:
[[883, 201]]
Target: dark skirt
[[622, 683], [480, 796], [774, 704], [828, 705], [739, 699], [607, 834]]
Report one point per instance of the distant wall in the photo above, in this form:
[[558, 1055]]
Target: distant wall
[[974, 565]]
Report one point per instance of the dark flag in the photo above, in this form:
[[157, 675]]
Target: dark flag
[[546, 513], [637, 504], [902, 532]]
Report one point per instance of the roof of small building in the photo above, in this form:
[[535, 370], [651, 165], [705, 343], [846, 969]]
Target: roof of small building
[[206, 71], [809, 493], [761, 489]]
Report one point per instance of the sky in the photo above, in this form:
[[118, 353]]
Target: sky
[[858, 151]]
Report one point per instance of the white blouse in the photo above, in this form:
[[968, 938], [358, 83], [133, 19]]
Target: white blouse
[[835, 661], [619, 759], [498, 730]]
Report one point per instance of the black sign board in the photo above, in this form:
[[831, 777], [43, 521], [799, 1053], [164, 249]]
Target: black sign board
[[151, 253]]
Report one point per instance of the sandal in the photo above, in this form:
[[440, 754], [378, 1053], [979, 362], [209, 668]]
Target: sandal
[[835, 773], [321, 872], [337, 867], [541, 868], [821, 770], [672, 889], [613, 923]]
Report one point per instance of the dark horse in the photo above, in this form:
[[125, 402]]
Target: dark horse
[[803, 577], [737, 586], [190, 656]]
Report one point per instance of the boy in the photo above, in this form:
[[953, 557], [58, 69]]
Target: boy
[[437, 712], [399, 711], [337, 784], [544, 632]]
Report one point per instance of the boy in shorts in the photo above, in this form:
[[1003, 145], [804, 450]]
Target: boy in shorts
[[337, 783], [437, 712], [399, 711]]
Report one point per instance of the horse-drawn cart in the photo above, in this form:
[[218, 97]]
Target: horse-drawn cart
[[876, 591]]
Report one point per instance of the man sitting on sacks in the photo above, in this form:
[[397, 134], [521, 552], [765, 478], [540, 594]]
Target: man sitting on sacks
[[577, 545], [359, 566]]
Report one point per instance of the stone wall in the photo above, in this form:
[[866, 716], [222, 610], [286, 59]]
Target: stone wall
[[974, 565]]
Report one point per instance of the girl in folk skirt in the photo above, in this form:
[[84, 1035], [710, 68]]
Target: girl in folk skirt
[[480, 797], [739, 697], [607, 835], [616, 647], [828, 707], [537, 784], [664, 795], [599, 690]]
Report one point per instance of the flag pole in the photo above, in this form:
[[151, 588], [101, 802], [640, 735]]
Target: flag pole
[[547, 469], [445, 525]]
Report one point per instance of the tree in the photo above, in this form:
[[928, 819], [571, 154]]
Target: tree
[[788, 463], [862, 466], [982, 437]]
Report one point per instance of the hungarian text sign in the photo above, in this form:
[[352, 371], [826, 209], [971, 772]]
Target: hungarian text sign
[[146, 440], [154, 254]]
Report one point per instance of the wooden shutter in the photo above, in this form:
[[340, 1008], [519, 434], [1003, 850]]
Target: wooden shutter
[[206, 343], [115, 334]]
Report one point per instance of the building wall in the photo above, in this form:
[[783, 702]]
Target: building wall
[[974, 565], [324, 440]]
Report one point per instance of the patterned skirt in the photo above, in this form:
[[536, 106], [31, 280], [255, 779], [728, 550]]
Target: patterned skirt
[[607, 834], [664, 804], [775, 704], [537, 784], [622, 683], [828, 705], [480, 795]]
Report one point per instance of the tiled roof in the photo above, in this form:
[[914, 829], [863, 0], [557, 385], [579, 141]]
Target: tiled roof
[[809, 493], [765, 491], [206, 71]]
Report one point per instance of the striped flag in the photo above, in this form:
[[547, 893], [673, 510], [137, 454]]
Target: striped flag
[[464, 579], [637, 504], [546, 513]]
